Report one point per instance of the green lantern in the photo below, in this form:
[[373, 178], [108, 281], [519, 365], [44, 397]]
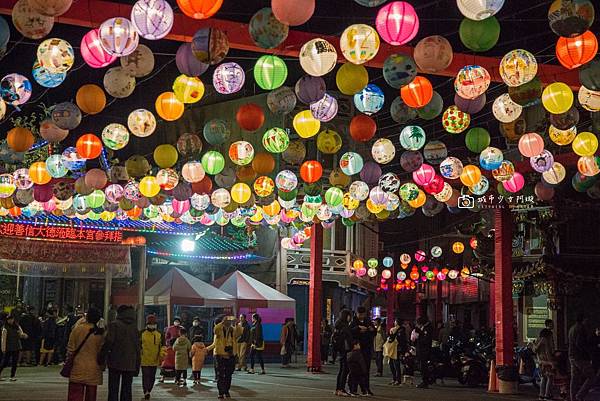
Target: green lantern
[[151, 211], [313, 189], [270, 72], [477, 139], [288, 196], [334, 196], [93, 215], [433, 108], [479, 36], [95, 199], [372, 263], [409, 191], [347, 222], [275, 140], [213, 162]]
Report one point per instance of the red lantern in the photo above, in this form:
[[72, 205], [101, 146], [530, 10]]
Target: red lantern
[[577, 51], [199, 9], [362, 128], [204, 186], [418, 93], [311, 171], [89, 146], [250, 117]]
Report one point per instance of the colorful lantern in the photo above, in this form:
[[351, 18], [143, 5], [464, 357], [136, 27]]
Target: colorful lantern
[[412, 137], [118, 83], [213, 162], [359, 43], [383, 151], [542, 161], [433, 54], [210, 45], [193, 171], [325, 109], [397, 23], [153, 19], [51, 132], [351, 163], [518, 67], [472, 81], [310, 89], [115, 136], [351, 78], [491, 158], [187, 63], [286, 180], [477, 139], [432, 109], [505, 110], [557, 98], [15, 89], [141, 123], [241, 153], [199, 9], [305, 124], [118, 36], [55, 55], [417, 93], [281, 100], [515, 184], [570, 18], [423, 175], [265, 30], [589, 100], [91, 99], [479, 36], [455, 121], [229, 78], [576, 51], [270, 72], [188, 89], [92, 51], [20, 139], [451, 168], [250, 117], [275, 140], [531, 144], [399, 70], [318, 57], [329, 142], [165, 156], [311, 171], [39, 174], [293, 14], [470, 175], [89, 146], [369, 100], [29, 22], [51, 8], [479, 9], [168, 107]]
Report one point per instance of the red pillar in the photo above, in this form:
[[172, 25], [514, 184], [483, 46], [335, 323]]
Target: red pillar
[[391, 302], [315, 299], [492, 307], [503, 287], [439, 305]]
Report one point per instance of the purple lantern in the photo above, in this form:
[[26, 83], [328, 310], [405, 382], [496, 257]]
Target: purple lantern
[[43, 193], [411, 160], [370, 172], [153, 19], [187, 63], [228, 78], [182, 191], [542, 162], [470, 106], [325, 109], [310, 89]]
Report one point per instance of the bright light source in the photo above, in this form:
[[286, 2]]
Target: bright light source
[[187, 245]]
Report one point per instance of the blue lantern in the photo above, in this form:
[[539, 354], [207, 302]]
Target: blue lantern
[[388, 261], [369, 100]]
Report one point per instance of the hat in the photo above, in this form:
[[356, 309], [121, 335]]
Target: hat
[[151, 319], [196, 318]]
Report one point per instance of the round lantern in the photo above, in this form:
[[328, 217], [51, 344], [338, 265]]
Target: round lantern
[[275, 140], [389, 182], [576, 51], [118, 36], [412, 137], [329, 142], [295, 13], [588, 166], [241, 153], [555, 175], [401, 113], [89, 146], [432, 109], [515, 184], [66, 115], [458, 247], [351, 163], [92, 51], [455, 121], [141, 123], [193, 171], [229, 78], [118, 83], [362, 128], [270, 72], [213, 162], [95, 178], [585, 144], [369, 100], [557, 98], [286, 180], [570, 18], [589, 75], [55, 55], [29, 22], [305, 124], [7, 185], [310, 89], [477, 139], [470, 175], [187, 63], [52, 8], [264, 186], [20, 139], [265, 30], [451, 168], [589, 100], [562, 137], [188, 89], [295, 153], [417, 93], [479, 9], [358, 191], [531, 144], [435, 152], [504, 172], [168, 107], [383, 151], [471, 106], [337, 178], [542, 161], [199, 9], [479, 36], [153, 19], [73, 161], [433, 54], [505, 110], [115, 136], [325, 109], [16, 89], [397, 23], [518, 67], [318, 57], [91, 99], [216, 132], [472, 81], [250, 117], [423, 175], [352, 78], [51, 132], [165, 156], [359, 43], [282, 100], [167, 179], [409, 192], [39, 174], [491, 158], [311, 171], [399, 70], [149, 186], [370, 172]]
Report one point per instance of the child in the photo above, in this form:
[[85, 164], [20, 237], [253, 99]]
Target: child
[[182, 349], [358, 370], [167, 367], [198, 354]]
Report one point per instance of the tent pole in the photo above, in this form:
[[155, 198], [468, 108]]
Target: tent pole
[[141, 286]]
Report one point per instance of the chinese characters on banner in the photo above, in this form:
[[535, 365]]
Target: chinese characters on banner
[[60, 233]]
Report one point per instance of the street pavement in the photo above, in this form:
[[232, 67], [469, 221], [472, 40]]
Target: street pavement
[[292, 384]]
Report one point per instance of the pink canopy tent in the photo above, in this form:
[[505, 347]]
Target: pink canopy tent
[[251, 293]]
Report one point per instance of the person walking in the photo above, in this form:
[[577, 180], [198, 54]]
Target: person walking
[[151, 340], [342, 344], [242, 338], [423, 341], [12, 334], [257, 344], [544, 350], [172, 332], [287, 340], [121, 351], [182, 348], [326, 333], [363, 329], [222, 347], [30, 325], [83, 346], [380, 338], [582, 372], [198, 355], [48, 335]]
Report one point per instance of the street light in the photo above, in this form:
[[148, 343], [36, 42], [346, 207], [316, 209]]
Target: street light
[[187, 245]]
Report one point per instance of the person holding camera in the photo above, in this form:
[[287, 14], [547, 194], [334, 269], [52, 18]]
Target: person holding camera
[[222, 347]]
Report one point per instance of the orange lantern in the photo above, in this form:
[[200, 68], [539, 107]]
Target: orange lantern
[[246, 174], [89, 146], [91, 99], [418, 93], [204, 186], [39, 174], [168, 107], [470, 175], [14, 211], [311, 171], [362, 128], [272, 209], [19, 139], [199, 9], [577, 51], [134, 212], [250, 117], [263, 163]]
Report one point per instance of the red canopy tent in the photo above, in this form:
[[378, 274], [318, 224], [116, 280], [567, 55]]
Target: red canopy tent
[[251, 293]]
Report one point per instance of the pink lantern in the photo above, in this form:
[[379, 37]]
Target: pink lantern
[[293, 13], [114, 193], [420, 255], [96, 178], [397, 23], [386, 274], [93, 53], [423, 175], [515, 184], [531, 144], [180, 207], [361, 272], [49, 206], [118, 36], [435, 186]]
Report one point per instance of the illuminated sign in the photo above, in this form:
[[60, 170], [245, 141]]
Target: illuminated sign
[[60, 233]]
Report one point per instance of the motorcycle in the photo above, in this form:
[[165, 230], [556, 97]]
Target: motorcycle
[[529, 371]]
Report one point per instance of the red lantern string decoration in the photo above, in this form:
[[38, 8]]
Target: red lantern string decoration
[[577, 51], [418, 93]]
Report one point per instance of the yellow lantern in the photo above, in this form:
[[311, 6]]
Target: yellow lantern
[[258, 215], [470, 175], [165, 156], [329, 142], [149, 187], [351, 78], [39, 174], [272, 209], [241, 192], [585, 144], [358, 264], [349, 202], [359, 43], [562, 137], [555, 175], [374, 208], [305, 124], [458, 247], [188, 89], [557, 98], [419, 201]]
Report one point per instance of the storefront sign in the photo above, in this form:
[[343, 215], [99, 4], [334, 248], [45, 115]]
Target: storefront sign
[[60, 233], [297, 281]]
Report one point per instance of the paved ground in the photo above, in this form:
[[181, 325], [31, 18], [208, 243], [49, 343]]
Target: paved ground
[[41, 384]]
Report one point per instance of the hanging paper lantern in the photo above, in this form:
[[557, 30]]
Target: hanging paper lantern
[[505, 110], [401, 113], [555, 175], [589, 75], [479, 36], [570, 18], [562, 137], [451, 168], [189, 144], [432, 109], [351, 163], [229, 78], [141, 123], [436, 186], [526, 94], [168, 107], [15, 89], [29, 22], [472, 81], [531, 144], [329, 142], [20, 139], [210, 45], [359, 43], [293, 13], [412, 137], [88, 146], [504, 172], [542, 161], [66, 115], [417, 93], [295, 153], [286, 180], [46, 78], [187, 63], [188, 89], [138, 63], [515, 184], [455, 121], [270, 72], [557, 98], [51, 132], [587, 166], [435, 152], [241, 153], [153, 19], [310, 89], [149, 187], [167, 179], [192, 171], [389, 182], [518, 67], [337, 178], [423, 175], [55, 55], [311, 171], [165, 156], [317, 57], [94, 178], [199, 9], [491, 158], [470, 175], [73, 161], [576, 51], [266, 30], [362, 128], [281, 101], [305, 124], [325, 109], [369, 100], [589, 100], [213, 162], [92, 51], [477, 139], [250, 117], [383, 151], [115, 136], [7, 185], [118, 36], [397, 23], [118, 83], [479, 9], [90, 99], [433, 54], [275, 140], [51, 8], [38, 173], [351, 78], [585, 144], [216, 132], [264, 186], [370, 173]]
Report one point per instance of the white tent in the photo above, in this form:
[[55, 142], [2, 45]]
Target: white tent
[[249, 292]]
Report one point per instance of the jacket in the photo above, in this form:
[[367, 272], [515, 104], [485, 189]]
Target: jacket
[[390, 348], [424, 340], [195, 331], [169, 361], [121, 348], [222, 345], [356, 363], [182, 348], [198, 354], [365, 338], [544, 348], [256, 336], [288, 335], [242, 331], [151, 345], [11, 337], [379, 339], [171, 332], [85, 364], [399, 334], [342, 337], [579, 344]]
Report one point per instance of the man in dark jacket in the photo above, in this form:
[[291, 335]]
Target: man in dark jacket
[[424, 331], [121, 350], [31, 326], [364, 331], [582, 372]]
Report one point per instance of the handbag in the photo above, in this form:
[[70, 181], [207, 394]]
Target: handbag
[[68, 366]]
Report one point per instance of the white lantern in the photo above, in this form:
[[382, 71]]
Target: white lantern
[[141, 123], [318, 57], [153, 19], [505, 110], [139, 63], [118, 36], [479, 9], [118, 83]]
